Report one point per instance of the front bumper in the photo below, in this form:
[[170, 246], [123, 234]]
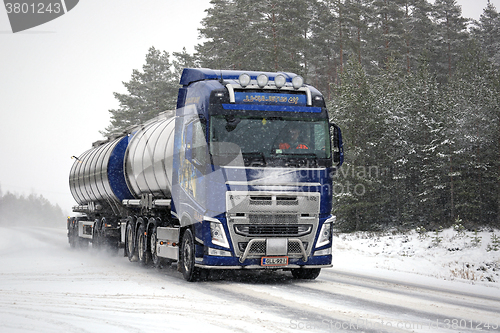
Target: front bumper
[[216, 262]]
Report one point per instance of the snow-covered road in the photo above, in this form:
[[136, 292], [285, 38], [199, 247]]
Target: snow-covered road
[[47, 287]]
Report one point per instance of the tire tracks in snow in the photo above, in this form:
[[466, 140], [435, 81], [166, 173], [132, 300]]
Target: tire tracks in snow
[[337, 299], [483, 302]]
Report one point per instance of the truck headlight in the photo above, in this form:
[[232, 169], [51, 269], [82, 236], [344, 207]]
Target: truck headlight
[[262, 80], [297, 81], [244, 80], [218, 234], [324, 235], [280, 81]]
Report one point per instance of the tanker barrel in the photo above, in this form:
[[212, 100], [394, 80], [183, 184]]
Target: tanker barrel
[[149, 159], [97, 175], [128, 167]]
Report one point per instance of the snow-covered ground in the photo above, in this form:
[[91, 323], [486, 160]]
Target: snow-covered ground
[[450, 254], [414, 282]]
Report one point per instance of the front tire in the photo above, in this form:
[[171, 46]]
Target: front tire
[[190, 272]]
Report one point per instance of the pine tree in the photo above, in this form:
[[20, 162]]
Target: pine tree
[[358, 13], [425, 141], [232, 40], [267, 35], [387, 32], [323, 58], [288, 27], [475, 125], [150, 92], [451, 33], [418, 31], [183, 60], [487, 33], [357, 192]]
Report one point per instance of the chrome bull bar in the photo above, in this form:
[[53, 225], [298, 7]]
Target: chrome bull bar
[[259, 247]]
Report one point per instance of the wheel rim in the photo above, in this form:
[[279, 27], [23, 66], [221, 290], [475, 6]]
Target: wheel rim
[[130, 240], [140, 246], [187, 254], [154, 256]]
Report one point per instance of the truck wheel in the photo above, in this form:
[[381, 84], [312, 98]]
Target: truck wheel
[[142, 247], [306, 274], [157, 261], [96, 237], [72, 238], [130, 247], [188, 269]]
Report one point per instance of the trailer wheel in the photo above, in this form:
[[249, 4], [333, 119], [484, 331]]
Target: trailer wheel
[[130, 247], [142, 246], [306, 274], [96, 237], [157, 261], [187, 255], [72, 238]]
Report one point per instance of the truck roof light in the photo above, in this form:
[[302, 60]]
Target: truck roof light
[[297, 82], [244, 80], [280, 80], [262, 80]]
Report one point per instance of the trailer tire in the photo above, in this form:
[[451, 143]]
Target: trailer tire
[[143, 254], [72, 238], [306, 274], [96, 237], [130, 248], [155, 260], [190, 272]]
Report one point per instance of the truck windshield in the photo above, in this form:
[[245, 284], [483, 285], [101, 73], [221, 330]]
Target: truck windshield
[[265, 139]]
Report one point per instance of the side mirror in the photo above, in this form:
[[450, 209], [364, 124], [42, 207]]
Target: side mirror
[[337, 145]]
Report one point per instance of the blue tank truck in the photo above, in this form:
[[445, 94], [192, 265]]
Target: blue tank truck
[[219, 183]]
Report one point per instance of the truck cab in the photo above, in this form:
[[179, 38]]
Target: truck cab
[[255, 157]]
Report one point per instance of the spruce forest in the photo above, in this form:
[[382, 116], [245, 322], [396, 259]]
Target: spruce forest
[[413, 84]]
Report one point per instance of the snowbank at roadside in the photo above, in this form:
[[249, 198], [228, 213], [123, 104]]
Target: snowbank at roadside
[[450, 254]]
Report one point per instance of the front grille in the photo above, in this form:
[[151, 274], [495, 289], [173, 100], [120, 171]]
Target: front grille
[[287, 201], [268, 201], [294, 247], [272, 230], [261, 200], [259, 247], [273, 218]]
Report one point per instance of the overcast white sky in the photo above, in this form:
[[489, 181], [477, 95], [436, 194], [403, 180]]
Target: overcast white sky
[[57, 81]]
